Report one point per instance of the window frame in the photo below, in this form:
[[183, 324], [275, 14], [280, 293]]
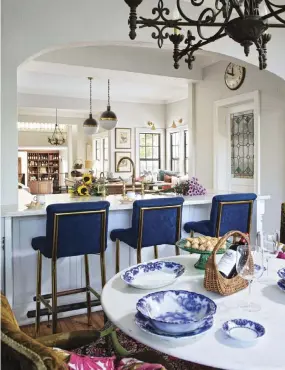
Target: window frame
[[180, 129], [145, 146], [173, 159], [159, 131]]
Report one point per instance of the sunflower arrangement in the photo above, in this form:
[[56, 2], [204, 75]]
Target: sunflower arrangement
[[85, 187]]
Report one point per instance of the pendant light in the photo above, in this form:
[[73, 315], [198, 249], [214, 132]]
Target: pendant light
[[57, 137], [108, 119], [90, 125]]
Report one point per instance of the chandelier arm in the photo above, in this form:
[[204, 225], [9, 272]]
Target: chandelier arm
[[275, 25], [184, 16], [159, 36], [274, 13], [159, 10], [213, 37], [198, 45], [235, 5]]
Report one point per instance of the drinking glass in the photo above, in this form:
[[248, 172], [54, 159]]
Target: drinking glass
[[250, 269], [269, 244]]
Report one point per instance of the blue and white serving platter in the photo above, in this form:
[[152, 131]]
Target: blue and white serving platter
[[243, 330], [281, 273], [146, 326], [153, 275], [281, 284]]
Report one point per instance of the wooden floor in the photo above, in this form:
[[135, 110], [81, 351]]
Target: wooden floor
[[68, 324]]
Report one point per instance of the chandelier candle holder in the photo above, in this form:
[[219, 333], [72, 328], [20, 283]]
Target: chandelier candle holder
[[108, 119], [244, 21], [57, 137]]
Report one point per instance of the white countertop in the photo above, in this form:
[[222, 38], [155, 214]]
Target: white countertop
[[115, 204]]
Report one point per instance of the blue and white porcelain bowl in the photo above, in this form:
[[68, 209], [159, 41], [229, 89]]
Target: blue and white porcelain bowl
[[281, 273], [281, 284], [152, 275], [145, 326], [176, 311], [243, 330]]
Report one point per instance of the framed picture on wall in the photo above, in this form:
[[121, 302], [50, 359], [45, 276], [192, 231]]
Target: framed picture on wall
[[123, 138], [125, 165]]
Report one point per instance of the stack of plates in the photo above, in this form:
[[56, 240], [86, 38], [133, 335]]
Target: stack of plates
[[175, 314], [281, 282]]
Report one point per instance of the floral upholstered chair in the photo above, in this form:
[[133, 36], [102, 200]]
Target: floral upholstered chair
[[282, 228], [21, 352]]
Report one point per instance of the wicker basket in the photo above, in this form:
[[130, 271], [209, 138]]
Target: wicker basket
[[214, 281]]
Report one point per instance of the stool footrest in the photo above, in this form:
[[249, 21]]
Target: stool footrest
[[63, 293], [64, 308]]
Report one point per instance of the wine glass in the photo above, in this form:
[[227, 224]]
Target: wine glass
[[269, 245], [250, 267]]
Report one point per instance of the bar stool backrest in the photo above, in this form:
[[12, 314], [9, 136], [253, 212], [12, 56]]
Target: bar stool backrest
[[75, 229], [232, 212], [157, 221]]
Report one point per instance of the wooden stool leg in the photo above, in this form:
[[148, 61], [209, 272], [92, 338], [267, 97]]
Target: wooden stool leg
[[155, 252], [88, 294], [38, 293], [139, 255], [54, 296], [177, 250], [117, 255]]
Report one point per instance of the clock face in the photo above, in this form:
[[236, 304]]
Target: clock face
[[234, 76]]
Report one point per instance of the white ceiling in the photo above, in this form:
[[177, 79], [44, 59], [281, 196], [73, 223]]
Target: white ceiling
[[71, 81], [66, 80]]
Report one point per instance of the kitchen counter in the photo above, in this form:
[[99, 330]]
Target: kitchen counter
[[20, 225]]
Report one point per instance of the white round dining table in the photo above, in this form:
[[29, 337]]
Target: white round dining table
[[214, 348]]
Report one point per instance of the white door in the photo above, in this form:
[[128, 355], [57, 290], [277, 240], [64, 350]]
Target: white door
[[241, 152]]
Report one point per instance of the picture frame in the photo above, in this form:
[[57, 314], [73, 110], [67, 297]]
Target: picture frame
[[125, 165], [123, 138]]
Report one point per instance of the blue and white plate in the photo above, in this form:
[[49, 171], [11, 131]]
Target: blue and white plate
[[153, 275], [281, 284], [146, 326], [243, 330], [281, 273], [176, 311]]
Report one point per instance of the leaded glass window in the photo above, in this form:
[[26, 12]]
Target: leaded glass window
[[242, 145]]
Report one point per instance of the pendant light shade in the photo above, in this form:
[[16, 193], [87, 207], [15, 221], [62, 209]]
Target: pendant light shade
[[108, 119], [90, 125]]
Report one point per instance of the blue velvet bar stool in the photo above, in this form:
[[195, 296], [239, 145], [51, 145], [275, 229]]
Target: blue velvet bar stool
[[154, 222], [229, 212], [72, 229]]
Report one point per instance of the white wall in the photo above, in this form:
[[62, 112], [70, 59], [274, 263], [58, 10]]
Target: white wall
[[272, 94], [52, 24], [176, 111], [35, 138], [130, 115], [24, 163]]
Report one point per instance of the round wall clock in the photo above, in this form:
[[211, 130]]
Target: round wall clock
[[234, 76]]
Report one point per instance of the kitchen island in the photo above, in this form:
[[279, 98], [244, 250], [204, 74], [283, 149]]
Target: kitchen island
[[20, 260]]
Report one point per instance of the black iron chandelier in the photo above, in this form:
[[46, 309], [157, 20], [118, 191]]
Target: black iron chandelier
[[245, 21], [57, 137]]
